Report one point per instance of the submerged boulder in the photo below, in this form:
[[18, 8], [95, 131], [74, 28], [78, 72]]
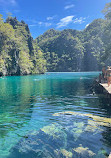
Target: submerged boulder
[[63, 139]]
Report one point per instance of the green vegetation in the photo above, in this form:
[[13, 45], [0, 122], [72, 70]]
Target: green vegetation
[[18, 54], [67, 50], [72, 50]]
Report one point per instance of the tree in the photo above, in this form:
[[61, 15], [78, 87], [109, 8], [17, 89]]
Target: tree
[[17, 53], [107, 34], [107, 11]]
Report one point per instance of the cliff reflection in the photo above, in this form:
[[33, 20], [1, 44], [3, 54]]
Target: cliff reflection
[[17, 97]]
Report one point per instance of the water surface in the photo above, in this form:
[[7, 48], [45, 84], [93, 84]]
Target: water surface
[[53, 115]]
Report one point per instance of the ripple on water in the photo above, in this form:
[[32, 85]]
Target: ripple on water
[[80, 127]]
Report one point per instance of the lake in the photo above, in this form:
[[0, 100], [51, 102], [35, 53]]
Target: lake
[[54, 115]]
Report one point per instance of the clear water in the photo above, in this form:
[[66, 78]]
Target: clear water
[[31, 124]]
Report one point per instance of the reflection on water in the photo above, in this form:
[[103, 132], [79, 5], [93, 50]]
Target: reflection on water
[[37, 117]]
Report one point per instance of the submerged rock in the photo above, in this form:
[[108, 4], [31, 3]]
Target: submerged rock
[[102, 121], [41, 144], [77, 130], [64, 153], [53, 130], [93, 127], [63, 139], [84, 151]]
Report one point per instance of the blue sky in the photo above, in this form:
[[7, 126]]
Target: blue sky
[[42, 15]]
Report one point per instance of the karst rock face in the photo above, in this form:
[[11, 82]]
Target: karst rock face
[[72, 50], [18, 54]]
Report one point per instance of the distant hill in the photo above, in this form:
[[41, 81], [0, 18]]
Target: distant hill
[[72, 50]]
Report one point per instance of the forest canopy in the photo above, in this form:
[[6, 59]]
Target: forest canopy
[[18, 54]]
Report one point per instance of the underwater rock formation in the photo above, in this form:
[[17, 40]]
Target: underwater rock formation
[[84, 151], [102, 121], [63, 139]]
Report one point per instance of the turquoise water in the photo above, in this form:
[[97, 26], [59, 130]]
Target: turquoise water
[[53, 115]]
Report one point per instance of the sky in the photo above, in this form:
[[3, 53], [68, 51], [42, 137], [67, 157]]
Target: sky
[[42, 15]]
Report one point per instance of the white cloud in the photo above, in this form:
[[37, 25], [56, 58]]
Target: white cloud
[[50, 18], [69, 6], [40, 23], [80, 20], [46, 24], [65, 21], [33, 25]]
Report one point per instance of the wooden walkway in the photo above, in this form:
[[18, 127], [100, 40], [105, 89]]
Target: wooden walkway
[[102, 88]]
